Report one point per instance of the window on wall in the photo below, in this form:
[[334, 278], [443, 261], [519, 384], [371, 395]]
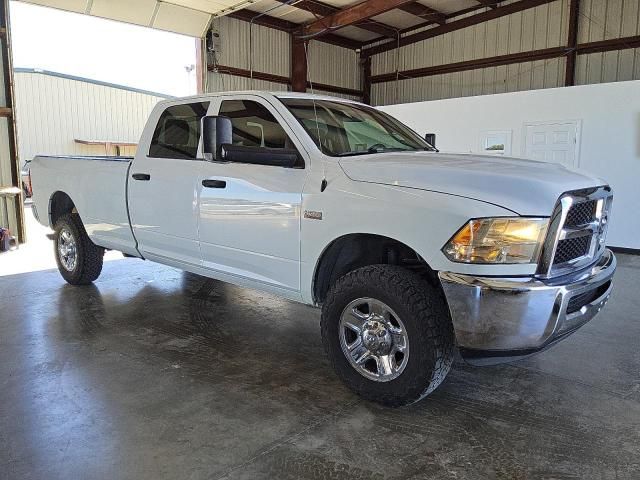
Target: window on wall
[[177, 134]]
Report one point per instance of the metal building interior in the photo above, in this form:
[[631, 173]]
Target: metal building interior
[[156, 373]]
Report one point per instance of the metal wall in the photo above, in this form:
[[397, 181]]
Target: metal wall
[[53, 111], [542, 27], [604, 20], [334, 65], [270, 50]]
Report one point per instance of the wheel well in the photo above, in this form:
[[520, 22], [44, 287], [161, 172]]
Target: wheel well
[[60, 204], [357, 250]]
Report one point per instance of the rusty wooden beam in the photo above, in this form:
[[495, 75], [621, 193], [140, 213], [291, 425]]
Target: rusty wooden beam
[[350, 16], [286, 26], [324, 10], [488, 3], [424, 12], [498, 60], [572, 43], [465, 22], [298, 65]]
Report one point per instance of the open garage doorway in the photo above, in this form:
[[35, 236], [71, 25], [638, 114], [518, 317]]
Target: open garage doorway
[[87, 90]]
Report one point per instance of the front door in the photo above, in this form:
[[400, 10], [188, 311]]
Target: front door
[[164, 185], [555, 142], [250, 214]]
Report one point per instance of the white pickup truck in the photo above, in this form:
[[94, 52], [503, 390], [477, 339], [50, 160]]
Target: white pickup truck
[[412, 254]]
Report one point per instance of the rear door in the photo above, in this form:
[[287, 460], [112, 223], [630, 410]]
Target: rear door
[[164, 184], [250, 214]]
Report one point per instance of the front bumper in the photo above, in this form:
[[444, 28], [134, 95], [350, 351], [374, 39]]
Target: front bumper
[[497, 319]]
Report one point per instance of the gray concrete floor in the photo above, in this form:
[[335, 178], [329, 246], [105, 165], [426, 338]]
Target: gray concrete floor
[[154, 373]]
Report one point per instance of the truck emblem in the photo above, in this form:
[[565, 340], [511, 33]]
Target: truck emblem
[[310, 214]]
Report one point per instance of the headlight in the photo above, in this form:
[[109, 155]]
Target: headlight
[[498, 240]]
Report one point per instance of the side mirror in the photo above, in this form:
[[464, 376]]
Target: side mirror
[[430, 139], [216, 131]]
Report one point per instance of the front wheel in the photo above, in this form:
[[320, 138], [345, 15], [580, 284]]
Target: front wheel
[[79, 259], [388, 334]]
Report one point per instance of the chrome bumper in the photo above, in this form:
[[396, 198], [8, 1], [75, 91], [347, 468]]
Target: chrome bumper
[[496, 319]]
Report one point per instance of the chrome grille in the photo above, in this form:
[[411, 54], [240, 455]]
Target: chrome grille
[[572, 248], [577, 231], [581, 213]]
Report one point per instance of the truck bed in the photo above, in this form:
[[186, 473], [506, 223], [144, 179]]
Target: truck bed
[[98, 188]]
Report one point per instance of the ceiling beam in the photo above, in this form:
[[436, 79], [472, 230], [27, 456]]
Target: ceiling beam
[[324, 10], [457, 25], [351, 16], [424, 12], [488, 3], [286, 26]]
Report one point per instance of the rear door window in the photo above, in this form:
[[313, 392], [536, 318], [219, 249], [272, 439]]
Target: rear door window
[[177, 133]]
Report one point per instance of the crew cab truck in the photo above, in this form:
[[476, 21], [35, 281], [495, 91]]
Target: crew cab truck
[[412, 254]]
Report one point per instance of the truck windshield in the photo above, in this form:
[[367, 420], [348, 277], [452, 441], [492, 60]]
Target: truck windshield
[[344, 129]]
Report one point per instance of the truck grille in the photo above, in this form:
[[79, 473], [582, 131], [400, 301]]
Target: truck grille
[[581, 213], [572, 248], [577, 231]]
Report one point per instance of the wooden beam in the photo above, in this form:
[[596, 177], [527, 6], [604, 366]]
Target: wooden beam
[[572, 43], [609, 45], [298, 65], [270, 77], [351, 15], [324, 10], [286, 26], [488, 3], [241, 72], [366, 80], [509, 59], [424, 12], [458, 25]]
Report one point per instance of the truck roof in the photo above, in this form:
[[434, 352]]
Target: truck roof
[[263, 93]]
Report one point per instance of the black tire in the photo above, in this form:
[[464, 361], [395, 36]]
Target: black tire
[[89, 256], [425, 315]]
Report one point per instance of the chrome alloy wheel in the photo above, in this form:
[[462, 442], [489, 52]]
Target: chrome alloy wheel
[[67, 250], [374, 339]]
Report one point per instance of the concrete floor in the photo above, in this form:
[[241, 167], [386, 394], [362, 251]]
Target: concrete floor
[[154, 373]]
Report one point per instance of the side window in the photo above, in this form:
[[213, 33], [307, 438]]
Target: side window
[[254, 125], [178, 131]]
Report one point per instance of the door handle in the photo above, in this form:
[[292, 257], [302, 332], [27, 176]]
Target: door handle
[[214, 183], [141, 176]]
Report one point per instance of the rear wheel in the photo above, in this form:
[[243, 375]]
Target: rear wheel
[[388, 334], [79, 259]]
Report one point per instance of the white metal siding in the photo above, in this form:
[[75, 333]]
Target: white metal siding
[[53, 111], [333, 65], [541, 27], [271, 49], [604, 20], [219, 82]]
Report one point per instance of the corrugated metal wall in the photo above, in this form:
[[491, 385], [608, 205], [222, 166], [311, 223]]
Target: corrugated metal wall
[[334, 65], [542, 27], [271, 52], [604, 20], [53, 111]]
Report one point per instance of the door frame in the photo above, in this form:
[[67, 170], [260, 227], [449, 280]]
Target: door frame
[[578, 123]]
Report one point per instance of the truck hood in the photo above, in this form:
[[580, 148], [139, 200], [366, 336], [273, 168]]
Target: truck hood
[[526, 187]]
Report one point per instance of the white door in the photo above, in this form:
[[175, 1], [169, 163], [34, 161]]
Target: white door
[[164, 185], [555, 142], [250, 214]]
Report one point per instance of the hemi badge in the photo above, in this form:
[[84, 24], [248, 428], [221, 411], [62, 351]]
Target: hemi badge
[[311, 215]]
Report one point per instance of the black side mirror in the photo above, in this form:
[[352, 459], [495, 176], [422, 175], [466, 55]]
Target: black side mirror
[[430, 139], [276, 157], [216, 131]]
